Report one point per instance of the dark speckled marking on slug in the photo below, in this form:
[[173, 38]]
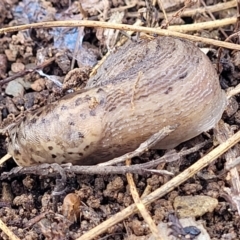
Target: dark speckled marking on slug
[[102, 101], [92, 112], [16, 152], [32, 160], [33, 120], [83, 116], [112, 108], [38, 113], [100, 90], [78, 101], [64, 107], [86, 148], [87, 98], [80, 135], [168, 90], [183, 75]]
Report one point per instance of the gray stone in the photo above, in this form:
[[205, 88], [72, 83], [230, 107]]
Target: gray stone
[[15, 89]]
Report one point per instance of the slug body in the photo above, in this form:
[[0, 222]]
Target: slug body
[[138, 90]]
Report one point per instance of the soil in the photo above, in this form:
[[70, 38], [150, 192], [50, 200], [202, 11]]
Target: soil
[[27, 205]]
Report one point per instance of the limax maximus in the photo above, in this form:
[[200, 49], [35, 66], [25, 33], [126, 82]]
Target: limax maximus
[[140, 88]]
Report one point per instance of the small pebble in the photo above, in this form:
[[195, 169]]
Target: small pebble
[[11, 106], [11, 55], [232, 107], [17, 67], [26, 84], [38, 85], [15, 89], [194, 206]]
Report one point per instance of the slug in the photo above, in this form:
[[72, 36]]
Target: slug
[[140, 89]]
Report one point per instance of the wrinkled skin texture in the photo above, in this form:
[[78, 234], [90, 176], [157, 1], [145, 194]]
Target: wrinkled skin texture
[[139, 89]]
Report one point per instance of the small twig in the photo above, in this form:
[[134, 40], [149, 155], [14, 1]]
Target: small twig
[[141, 208], [213, 18], [24, 72], [78, 43], [160, 4], [141, 169], [148, 144], [159, 172], [47, 169], [82, 11], [166, 188], [123, 8], [124, 27], [179, 12], [35, 220], [44, 169]]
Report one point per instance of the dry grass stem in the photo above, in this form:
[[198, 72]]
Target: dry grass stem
[[125, 27], [203, 25], [191, 12], [141, 208], [7, 231], [5, 158], [214, 8]]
